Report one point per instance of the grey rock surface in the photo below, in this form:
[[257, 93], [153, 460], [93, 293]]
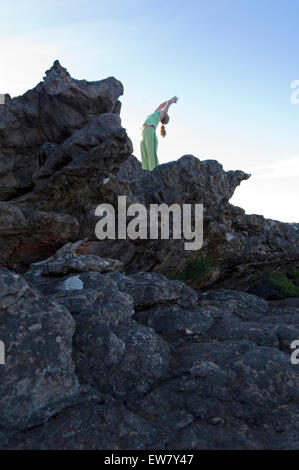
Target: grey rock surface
[[38, 378], [168, 368]]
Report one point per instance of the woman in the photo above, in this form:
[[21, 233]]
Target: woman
[[149, 142]]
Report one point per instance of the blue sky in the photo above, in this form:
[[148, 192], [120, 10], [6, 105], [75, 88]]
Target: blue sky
[[230, 62]]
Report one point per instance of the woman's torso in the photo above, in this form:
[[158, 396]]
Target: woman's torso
[[152, 120]]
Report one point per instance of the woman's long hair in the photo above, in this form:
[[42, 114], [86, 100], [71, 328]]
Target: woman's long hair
[[165, 120]]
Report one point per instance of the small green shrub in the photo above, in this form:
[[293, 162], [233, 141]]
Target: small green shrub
[[283, 286], [195, 268]]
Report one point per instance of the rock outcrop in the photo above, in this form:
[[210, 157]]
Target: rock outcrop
[[57, 144], [104, 347], [64, 152], [32, 125], [242, 247]]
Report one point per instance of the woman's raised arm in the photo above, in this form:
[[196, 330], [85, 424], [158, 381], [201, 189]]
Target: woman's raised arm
[[161, 106], [167, 103], [164, 111]]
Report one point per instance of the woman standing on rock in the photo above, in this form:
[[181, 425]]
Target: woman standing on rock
[[149, 142]]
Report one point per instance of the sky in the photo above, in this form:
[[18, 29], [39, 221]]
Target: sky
[[232, 63]]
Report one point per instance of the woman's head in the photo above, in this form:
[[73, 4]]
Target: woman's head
[[164, 121]]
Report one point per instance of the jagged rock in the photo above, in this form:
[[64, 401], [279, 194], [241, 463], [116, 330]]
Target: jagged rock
[[71, 178], [99, 147], [57, 143], [50, 112], [242, 247], [37, 379]]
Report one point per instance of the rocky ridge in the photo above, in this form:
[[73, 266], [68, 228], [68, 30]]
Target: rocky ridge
[[102, 349]]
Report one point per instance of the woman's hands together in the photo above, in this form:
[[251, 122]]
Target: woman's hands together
[[174, 99]]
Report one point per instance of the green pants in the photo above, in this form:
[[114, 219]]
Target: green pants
[[148, 148]]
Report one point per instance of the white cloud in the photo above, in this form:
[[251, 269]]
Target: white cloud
[[285, 168]]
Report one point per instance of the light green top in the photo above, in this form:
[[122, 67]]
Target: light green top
[[153, 119]]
